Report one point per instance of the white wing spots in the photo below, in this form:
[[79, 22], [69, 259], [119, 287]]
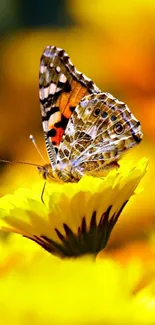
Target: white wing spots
[[58, 89], [48, 109], [84, 103], [93, 132], [41, 93], [57, 69], [51, 64], [119, 102], [59, 49], [43, 68], [52, 88], [110, 96], [47, 76], [47, 51], [71, 129], [62, 78], [45, 126], [70, 63], [56, 117], [45, 92], [86, 78], [132, 116]]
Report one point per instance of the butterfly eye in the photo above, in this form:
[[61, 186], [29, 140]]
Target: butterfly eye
[[118, 128], [96, 112]]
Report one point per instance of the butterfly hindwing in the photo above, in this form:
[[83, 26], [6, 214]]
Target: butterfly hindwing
[[99, 130], [61, 89]]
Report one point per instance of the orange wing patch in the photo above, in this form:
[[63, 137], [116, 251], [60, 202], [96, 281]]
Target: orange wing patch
[[66, 102]]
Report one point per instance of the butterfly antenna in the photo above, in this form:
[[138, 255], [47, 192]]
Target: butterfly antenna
[[19, 162], [34, 143]]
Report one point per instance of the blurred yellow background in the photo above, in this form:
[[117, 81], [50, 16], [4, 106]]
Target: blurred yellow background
[[112, 42]]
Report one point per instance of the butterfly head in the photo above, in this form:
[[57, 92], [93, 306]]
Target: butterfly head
[[46, 172], [56, 173]]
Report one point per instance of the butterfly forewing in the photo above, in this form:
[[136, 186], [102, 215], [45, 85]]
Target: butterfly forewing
[[61, 89]]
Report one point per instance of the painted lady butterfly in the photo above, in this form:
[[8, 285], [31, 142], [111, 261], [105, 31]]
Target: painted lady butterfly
[[85, 129]]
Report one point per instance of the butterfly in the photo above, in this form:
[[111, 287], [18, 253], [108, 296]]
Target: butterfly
[[85, 129]]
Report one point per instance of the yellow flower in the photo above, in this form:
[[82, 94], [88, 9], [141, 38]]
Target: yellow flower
[[46, 290], [73, 219]]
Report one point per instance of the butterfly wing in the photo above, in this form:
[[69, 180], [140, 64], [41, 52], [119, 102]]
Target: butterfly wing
[[100, 129], [61, 89]]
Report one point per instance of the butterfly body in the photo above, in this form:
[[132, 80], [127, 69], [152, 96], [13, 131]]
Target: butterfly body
[[67, 173], [85, 129]]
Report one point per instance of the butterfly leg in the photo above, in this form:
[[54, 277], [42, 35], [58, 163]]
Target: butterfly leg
[[42, 193]]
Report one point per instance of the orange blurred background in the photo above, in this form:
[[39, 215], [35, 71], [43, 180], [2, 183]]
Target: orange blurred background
[[111, 42]]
